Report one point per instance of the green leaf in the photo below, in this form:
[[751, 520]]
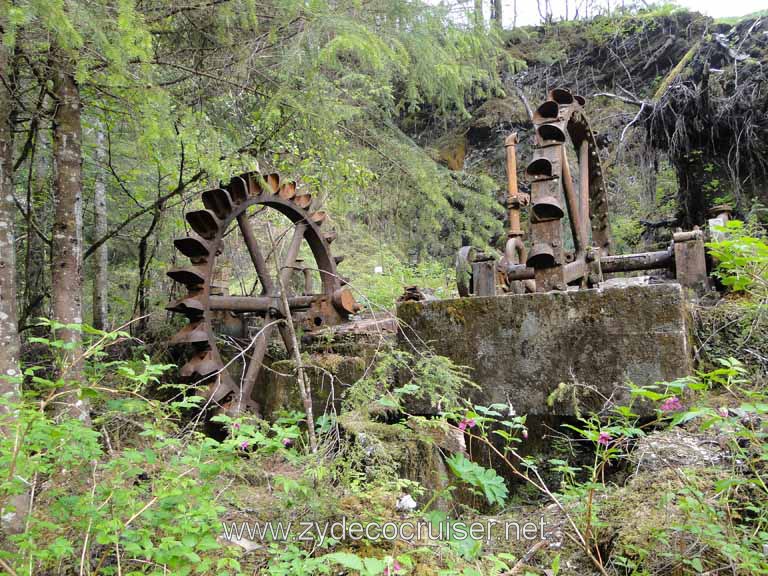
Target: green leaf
[[351, 561], [485, 479]]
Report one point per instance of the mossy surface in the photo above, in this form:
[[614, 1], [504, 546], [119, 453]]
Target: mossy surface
[[415, 454], [523, 348]]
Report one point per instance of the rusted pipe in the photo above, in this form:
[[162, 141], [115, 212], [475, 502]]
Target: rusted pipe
[[513, 197], [608, 265], [515, 251], [519, 272]]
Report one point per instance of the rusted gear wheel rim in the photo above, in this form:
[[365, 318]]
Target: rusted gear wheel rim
[[223, 207], [561, 115]]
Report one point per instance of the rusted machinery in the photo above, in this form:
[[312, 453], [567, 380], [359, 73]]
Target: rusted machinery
[[229, 334], [559, 123]]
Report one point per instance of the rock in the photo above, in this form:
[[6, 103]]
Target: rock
[[416, 456], [677, 448], [244, 543], [328, 374], [406, 504], [447, 437], [452, 150], [632, 517]]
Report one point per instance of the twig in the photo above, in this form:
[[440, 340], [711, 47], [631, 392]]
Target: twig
[[624, 99], [304, 385], [90, 523], [520, 565], [7, 567], [525, 102], [634, 120], [155, 499]]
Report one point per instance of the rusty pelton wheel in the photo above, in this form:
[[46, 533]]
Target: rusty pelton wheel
[[561, 117], [560, 124], [255, 237]]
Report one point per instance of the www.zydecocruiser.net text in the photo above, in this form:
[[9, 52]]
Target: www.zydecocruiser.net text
[[412, 531]]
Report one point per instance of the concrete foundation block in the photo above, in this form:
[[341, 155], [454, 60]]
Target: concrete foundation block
[[578, 349]]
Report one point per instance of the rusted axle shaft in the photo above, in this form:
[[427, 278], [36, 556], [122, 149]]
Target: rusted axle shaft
[[607, 264], [640, 261], [259, 303], [342, 300]]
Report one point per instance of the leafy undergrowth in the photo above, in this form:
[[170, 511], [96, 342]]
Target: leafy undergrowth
[[142, 490]]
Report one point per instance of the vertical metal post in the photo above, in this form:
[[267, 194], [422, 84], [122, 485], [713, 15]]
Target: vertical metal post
[[690, 260], [514, 250], [513, 197], [484, 277]]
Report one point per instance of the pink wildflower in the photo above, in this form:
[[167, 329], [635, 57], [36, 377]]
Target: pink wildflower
[[236, 426], [671, 404], [525, 433], [395, 569], [467, 423], [287, 442], [244, 445], [604, 438], [723, 411]]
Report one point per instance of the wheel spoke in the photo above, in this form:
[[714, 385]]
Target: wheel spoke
[[288, 266], [584, 187], [285, 334], [574, 211], [209, 309], [256, 256], [254, 366]]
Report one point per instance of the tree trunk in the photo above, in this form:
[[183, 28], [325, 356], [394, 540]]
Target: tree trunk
[[35, 289], [514, 13], [701, 178], [101, 261], [496, 12], [145, 259], [479, 19], [66, 254], [12, 520]]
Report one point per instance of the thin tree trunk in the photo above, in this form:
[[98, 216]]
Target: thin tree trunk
[[11, 518], [100, 277], [514, 13], [145, 258], [66, 253], [34, 270], [496, 12], [479, 19]]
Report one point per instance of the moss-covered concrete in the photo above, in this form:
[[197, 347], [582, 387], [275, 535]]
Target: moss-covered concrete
[[329, 375], [584, 346], [415, 452]]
